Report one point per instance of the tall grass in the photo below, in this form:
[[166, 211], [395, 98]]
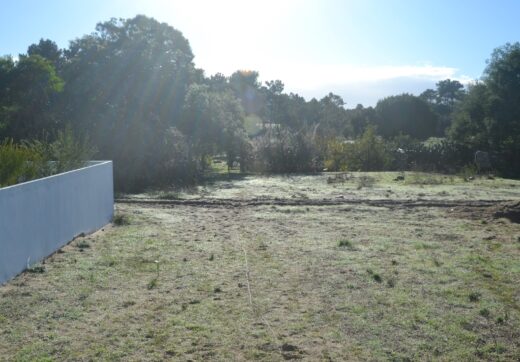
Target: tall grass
[[33, 159], [18, 163]]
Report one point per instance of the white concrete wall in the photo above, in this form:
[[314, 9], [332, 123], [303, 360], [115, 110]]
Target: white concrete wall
[[39, 217]]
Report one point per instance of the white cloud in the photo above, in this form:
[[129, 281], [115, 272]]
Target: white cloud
[[308, 77]]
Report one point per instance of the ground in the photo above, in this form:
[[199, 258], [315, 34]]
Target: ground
[[321, 267]]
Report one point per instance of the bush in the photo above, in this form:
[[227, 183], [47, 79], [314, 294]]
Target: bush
[[444, 156], [336, 155], [468, 171], [368, 153], [18, 163], [35, 159], [279, 150], [167, 161]]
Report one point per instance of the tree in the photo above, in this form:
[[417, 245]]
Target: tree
[[246, 87], [489, 117], [125, 86], [49, 50], [449, 91], [360, 118], [333, 117], [274, 105], [28, 88], [405, 114], [213, 121], [430, 96], [443, 101], [471, 121]]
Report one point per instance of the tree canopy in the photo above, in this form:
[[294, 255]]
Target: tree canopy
[[405, 114], [132, 88], [489, 116]]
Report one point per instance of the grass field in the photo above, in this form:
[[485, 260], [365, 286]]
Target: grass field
[[325, 267]]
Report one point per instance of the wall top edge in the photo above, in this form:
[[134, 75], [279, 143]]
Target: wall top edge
[[89, 164]]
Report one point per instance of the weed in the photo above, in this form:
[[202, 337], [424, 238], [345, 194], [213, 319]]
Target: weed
[[474, 296], [36, 269], [484, 312], [391, 282], [377, 278], [468, 172], [82, 245], [211, 257], [152, 284], [120, 220], [345, 243]]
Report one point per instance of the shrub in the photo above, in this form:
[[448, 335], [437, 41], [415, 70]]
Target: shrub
[[279, 150], [167, 161], [468, 171], [367, 153], [18, 163], [444, 156], [336, 155], [120, 220], [69, 152], [33, 159]]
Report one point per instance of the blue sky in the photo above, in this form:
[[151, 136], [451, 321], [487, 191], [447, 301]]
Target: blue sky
[[362, 50]]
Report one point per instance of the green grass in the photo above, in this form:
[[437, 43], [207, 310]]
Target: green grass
[[343, 282]]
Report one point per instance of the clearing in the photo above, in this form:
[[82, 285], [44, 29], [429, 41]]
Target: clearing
[[323, 267]]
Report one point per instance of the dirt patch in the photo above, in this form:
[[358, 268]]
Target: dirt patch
[[509, 210]]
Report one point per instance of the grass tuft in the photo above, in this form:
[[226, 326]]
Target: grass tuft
[[474, 297], [345, 243], [120, 220]]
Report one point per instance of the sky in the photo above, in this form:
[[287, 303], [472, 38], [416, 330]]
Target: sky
[[362, 50]]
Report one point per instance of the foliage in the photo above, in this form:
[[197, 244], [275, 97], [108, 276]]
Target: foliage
[[126, 85], [444, 156], [360, 118], [367, 153], [443, 101], [489, 117], [279, 150], [336, 155], [468, 171], [28, 90], [120, 220], [405, 114], [33, 159], [18, 163], [214, 122], [68, 152]]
